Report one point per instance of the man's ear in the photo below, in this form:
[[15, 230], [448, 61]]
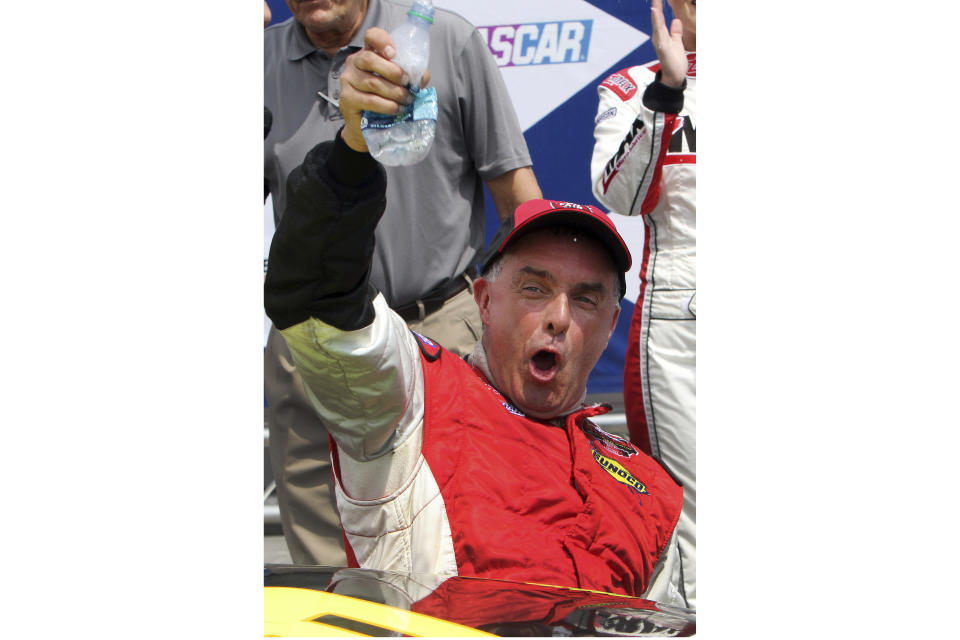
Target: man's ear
[[481, 293], [613, 325]]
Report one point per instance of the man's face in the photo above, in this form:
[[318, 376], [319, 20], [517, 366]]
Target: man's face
[[686, 11], [548, 316], [319, 16]]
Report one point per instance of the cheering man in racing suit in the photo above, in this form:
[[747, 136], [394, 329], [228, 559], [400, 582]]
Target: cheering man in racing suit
[[645, 163], [485, 466]]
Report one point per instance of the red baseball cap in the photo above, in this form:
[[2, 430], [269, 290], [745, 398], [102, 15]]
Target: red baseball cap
[[537, 214]]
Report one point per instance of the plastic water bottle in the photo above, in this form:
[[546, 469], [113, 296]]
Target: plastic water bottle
[[406, 138]]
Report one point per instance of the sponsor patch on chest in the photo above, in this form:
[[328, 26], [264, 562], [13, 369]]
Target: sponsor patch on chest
[[620, 474], [607, 443], [609, 451]]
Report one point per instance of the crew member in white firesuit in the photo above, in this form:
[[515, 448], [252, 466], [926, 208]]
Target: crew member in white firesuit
[[645, 163], [485, 466]]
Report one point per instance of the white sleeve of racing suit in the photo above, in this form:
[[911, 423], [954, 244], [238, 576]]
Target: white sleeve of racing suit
[[367, 385], [630, 144], [664, 586]]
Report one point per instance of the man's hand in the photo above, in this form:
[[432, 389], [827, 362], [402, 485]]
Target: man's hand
[[669, 47], [371, 82]]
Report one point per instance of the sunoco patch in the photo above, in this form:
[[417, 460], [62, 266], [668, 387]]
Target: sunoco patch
[[618, 473]]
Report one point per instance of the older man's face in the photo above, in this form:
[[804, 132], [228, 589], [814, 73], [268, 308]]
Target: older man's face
[[319, 16], [548, 316]]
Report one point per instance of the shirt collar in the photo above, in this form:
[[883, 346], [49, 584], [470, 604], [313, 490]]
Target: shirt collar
[[298, 45]]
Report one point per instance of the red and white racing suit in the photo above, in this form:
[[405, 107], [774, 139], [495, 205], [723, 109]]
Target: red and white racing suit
[[436, 471], [645, 163]]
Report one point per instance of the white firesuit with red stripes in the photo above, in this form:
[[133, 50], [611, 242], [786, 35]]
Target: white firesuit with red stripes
[[644, 163]]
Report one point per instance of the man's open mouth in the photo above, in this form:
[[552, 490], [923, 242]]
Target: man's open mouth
[[544, 365]]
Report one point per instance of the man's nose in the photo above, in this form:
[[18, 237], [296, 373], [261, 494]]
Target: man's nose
[[557, 315]]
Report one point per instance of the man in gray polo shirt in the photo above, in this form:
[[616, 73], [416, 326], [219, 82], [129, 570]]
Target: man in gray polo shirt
[[427, 242]]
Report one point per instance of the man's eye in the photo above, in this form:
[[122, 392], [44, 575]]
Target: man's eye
[[587, 300]]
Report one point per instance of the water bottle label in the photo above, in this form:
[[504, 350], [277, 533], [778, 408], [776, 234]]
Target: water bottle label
[[424, 107], [425, 104]]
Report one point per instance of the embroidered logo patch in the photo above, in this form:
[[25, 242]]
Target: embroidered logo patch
[[503, 401], [427, 341], [621, 84], [512, 409], [430, 349], [620, 474], [607, 442], [559, 204], [609, 113]]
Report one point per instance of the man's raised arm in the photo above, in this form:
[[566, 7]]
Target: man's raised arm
[[358, 360]]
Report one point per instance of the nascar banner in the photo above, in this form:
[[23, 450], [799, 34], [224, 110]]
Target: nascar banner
[[553, 54]]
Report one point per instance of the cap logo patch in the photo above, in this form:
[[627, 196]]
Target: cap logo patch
[[567, 205]]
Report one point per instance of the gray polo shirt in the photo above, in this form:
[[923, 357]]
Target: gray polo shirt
[[433, 228]]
